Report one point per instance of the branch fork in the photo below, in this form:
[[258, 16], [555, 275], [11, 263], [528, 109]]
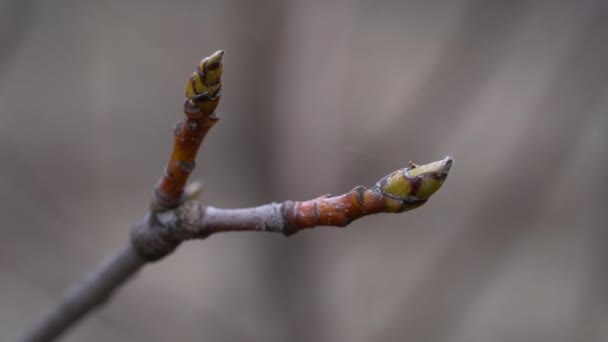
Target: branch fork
[[175, 217]]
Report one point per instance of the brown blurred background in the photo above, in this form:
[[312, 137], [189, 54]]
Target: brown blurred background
[[319, 96]]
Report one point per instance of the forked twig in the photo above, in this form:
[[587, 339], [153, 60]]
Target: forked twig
[[174, 218]]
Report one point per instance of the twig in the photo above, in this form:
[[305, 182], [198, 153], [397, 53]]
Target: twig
[[203, 91], [175, 218], [89, 293]]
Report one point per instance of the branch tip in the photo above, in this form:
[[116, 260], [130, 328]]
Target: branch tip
[[203, 91], [203, 88], [402, 190], [215, 59], [417, 182]]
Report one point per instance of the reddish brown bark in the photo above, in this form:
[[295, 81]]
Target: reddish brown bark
[[203, 91], [341, 210], [188, 136]]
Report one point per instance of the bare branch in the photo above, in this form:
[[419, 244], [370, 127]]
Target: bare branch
[[174, 218], [89, 293], [402, 190], [203, 91]]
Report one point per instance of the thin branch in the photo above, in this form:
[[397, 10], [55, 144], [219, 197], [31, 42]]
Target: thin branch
[[174, 218], [89, 293], [402, 190], [203, 91]]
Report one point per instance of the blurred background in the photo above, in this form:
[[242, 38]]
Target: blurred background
[[319, 96]]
